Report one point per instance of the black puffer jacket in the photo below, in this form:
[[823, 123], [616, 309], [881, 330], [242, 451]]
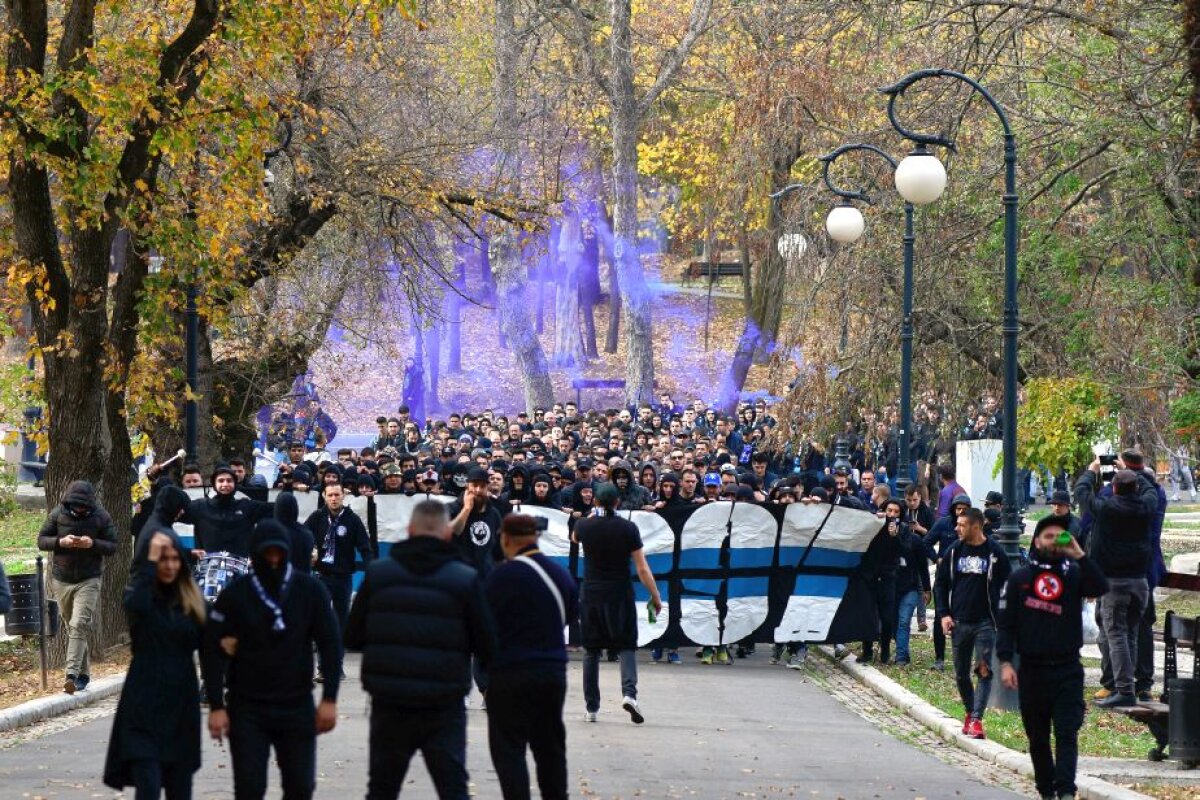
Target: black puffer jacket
[[78, 514], [417, 618]]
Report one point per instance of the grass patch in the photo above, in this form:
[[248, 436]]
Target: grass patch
[[1104, 734], [1184, 603], [18, 540]]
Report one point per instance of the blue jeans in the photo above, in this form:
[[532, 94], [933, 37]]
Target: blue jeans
[[591, 676], [906, 604], [973, 643]]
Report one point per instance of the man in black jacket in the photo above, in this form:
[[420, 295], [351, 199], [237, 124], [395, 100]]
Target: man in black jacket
[[338, 534], [1040, 618], [258, 643], [938, 539], [1120, 543], [418, 617], [970, 576], [222, 522], [80, 533], [532, 599]]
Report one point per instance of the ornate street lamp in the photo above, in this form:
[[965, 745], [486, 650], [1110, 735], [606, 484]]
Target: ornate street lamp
[[921, 178]]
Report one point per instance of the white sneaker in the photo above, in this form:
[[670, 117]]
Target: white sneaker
[[589, 716], [635, 713]]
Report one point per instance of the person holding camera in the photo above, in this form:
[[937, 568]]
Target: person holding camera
[[532, 600], [1041, 619], [1121, 544]]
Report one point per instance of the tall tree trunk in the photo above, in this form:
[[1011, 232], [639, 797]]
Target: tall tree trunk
[[508, 244], [432, 402], [764, 305], [635, 294], [589, 286], [454, 310], [567, 344]]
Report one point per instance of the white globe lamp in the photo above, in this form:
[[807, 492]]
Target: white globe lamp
[[921, 178], [844, 224], [792, 246]]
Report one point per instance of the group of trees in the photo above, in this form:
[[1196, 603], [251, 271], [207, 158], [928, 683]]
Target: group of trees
[[304, 165]]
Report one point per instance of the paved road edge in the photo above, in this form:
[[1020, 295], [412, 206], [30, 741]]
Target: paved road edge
[[951, 730], [44, 708]]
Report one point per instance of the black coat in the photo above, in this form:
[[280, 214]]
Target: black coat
[[419, 615], [1120, 537], [287, 514], [158, 716]]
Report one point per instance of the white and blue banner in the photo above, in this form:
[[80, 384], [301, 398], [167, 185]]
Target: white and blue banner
[[726, 571]]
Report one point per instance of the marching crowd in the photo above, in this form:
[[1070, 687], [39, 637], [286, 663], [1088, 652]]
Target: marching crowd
[[468, 598]]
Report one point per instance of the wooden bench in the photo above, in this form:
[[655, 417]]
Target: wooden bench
[[1178, 632], [720, 269]]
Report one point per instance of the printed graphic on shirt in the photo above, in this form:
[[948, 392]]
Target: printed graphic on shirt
[[481, 534], [972, 565], [1048, 586]]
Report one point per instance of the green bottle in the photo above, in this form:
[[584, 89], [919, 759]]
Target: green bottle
[[650, 615]]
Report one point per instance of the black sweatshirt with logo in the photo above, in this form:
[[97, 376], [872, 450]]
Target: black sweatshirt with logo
[[1041, 610]]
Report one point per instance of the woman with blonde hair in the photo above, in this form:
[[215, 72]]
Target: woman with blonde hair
[[155, 742]]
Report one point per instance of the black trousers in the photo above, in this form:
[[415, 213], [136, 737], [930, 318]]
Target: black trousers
[[1052, 695], [525, 709], [939, 640], [339, 587], [151, 778], [883, 589], [439, 733], [256, 728]]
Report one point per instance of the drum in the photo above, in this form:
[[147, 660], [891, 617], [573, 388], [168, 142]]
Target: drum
[[216, 570]]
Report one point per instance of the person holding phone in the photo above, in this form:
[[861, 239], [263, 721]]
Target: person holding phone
[[879, 566], [1040, 618]]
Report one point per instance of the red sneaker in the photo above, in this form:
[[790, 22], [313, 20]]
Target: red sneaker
[[966, 723], [975, 729]]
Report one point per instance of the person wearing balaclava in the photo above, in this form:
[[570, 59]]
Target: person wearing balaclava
[[287, 514], [223, 522], [258, 668], [80, 534], [1040, 618], [170, 504]]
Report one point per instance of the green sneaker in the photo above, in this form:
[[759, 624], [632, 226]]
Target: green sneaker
[[706, 657], [723, 655]]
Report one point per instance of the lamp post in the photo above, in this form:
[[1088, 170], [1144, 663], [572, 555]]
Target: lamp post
[[921, 179], [845, 224]]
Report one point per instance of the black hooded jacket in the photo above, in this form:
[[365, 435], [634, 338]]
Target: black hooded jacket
[[225, 523], [77, 564], [168, 502], [287, 514], [269, 665], [418, 617], [522, 495]]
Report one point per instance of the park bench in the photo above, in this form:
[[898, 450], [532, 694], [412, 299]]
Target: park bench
[[721, 269], [1177, 632]]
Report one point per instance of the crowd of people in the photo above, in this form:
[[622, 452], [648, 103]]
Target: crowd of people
[[468, 599]]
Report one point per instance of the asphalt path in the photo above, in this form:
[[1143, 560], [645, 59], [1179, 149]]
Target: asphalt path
[[748, 730]]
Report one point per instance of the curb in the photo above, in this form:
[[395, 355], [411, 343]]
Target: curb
[[1089, 788], [46, 707]]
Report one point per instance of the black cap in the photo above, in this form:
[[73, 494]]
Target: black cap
[[222, 469], [1063, 522], [477, 474], [993, 498], [1060, 497], [584, 463]]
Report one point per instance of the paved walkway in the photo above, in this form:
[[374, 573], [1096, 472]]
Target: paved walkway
[[750, 730]]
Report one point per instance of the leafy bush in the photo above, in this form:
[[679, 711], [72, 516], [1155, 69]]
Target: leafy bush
[[1060, 421]]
